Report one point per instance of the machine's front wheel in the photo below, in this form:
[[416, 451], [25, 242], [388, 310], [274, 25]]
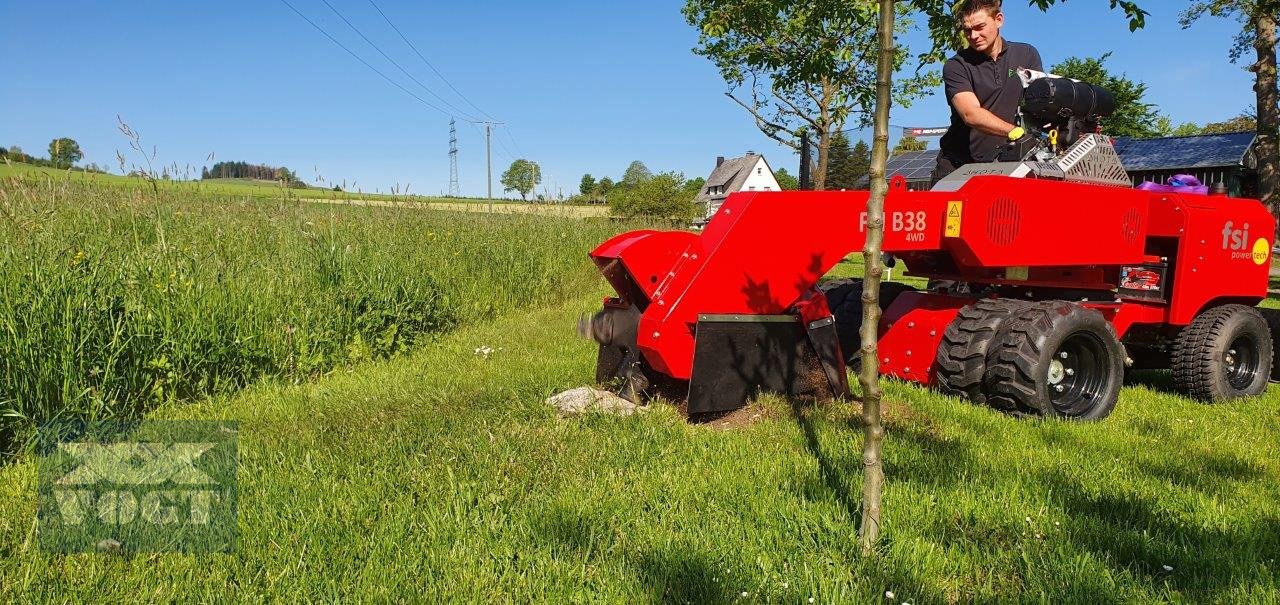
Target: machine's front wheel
[[1057, 359], [1224, 354]]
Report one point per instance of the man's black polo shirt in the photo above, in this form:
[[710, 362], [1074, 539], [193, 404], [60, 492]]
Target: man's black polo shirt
[[999, 90]]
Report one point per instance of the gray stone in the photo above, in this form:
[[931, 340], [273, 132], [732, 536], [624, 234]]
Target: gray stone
[[591, 399]]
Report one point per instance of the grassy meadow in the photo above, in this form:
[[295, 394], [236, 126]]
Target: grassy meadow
[[245, 188], [383, 458], [114, 299], [442, 476]]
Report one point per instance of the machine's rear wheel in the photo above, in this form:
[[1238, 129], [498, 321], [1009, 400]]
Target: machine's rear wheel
[[1057, 359], [844, 298], [1273, 322], [962, 356], [1224, 354]]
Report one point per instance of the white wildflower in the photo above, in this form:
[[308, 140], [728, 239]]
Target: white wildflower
[[888, 594], [1167, 567]]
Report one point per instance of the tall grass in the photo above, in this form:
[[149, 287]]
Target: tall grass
[[114, 299]]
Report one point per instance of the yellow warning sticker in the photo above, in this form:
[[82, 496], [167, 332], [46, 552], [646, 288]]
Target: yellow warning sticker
[[1261, 251], [954, 212]]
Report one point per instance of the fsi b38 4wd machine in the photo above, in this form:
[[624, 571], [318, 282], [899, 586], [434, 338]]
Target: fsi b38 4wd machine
[[1056, 273]]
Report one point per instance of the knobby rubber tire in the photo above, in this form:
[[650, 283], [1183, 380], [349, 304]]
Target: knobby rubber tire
[[966, 345], [1018, 373], [1273, 322], [1199, 357]]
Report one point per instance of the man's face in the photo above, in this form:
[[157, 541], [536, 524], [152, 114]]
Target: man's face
[[982, 29]]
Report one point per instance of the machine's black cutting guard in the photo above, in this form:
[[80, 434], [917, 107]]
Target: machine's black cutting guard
[[738, 356]]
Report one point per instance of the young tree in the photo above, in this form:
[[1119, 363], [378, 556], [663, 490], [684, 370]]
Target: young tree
[[64, 152], [798, 64], [588, 185], [786, 181], [636, 173], [1258, 30], [942, 31], [1132, 117], [908, 144], [522, 176], [661, 196]]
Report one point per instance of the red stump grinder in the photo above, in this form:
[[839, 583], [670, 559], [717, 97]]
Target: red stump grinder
[[1054, 275]]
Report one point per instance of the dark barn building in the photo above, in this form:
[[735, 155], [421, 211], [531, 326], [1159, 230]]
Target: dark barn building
[[1212, 158]]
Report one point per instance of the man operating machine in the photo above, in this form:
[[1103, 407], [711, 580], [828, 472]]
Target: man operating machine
[[983, 88]]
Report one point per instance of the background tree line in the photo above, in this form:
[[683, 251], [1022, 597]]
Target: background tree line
[[245, 170]]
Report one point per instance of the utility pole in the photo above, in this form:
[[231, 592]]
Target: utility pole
[[488, 155], [488, 159], [806, 179], [453, 158]]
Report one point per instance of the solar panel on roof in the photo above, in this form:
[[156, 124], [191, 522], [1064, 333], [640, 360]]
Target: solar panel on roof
[[1203, 151], [913, 165]]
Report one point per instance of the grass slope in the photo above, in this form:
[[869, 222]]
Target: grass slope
[[443, 476], [112, 301], [227, 187]]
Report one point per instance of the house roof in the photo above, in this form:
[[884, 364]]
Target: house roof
[[1173, 153], [730, 174]]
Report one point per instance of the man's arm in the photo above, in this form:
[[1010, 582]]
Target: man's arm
[[971, 111]]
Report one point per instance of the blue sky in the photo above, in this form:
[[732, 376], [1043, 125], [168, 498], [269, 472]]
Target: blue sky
[[582, 86]]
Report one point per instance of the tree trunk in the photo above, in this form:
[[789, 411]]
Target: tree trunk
[[1267, 148], [873, 427], [820, 172], [824, 138]]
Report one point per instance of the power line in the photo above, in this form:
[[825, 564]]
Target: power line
[[504, 147], [393, 61], [361, 60], [428, 63], [512, 138]]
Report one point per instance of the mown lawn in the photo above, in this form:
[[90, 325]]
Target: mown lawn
[[444, 476]]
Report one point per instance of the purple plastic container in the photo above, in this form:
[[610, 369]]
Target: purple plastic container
[[1178, 183]]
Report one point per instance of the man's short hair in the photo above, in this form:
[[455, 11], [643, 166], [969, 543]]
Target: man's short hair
[[972, 6]]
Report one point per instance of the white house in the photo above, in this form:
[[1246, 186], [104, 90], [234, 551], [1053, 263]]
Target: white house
[[747, 173]]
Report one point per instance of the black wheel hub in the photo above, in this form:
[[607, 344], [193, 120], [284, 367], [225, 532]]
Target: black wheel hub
[[1242, 363], [1078, 375]]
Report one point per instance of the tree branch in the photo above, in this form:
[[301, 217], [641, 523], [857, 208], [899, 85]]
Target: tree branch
[[770, 129]]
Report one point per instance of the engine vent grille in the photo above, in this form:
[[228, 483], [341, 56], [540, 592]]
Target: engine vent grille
[[1003, 221]]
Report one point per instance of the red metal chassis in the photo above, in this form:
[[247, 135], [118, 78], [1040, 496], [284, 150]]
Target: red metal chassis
[[763, 254]]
